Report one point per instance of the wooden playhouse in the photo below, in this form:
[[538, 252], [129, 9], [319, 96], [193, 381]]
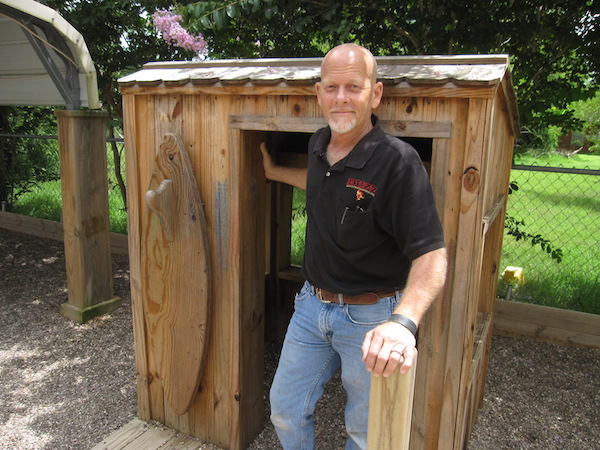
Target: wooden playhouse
[[210, 246]]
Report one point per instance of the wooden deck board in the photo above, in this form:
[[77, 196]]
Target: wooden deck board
[[140, 435]]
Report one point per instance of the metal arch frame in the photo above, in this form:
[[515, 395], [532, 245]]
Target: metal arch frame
[[67, 85]]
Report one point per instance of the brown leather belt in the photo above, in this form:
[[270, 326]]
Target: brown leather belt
[[368, 298]]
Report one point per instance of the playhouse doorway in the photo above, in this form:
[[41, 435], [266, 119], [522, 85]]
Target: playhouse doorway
[[284, 214]]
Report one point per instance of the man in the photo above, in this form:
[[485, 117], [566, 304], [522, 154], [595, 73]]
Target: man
[[374, 255]]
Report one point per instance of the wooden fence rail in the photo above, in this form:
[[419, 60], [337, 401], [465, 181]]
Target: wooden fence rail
[[49, 229], [542, 323]]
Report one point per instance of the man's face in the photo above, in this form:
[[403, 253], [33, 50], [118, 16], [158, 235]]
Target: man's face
[[346, 92]]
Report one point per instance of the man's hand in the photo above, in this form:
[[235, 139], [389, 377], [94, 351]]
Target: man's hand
[[294, 176], [268, 164], [388, 346], [391, 344]]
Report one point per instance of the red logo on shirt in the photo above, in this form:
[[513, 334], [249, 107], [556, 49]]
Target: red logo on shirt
[[361, 186]]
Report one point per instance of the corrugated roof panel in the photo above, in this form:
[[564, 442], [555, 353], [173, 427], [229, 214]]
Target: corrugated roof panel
[[434, 75], [464, 70], [439, 74]]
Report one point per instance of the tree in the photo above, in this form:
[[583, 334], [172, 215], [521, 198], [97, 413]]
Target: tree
[[589, 113], [120, 38], [24, 164], [554, 46]]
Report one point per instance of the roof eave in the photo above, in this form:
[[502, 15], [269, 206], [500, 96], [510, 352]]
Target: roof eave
[[73, 39]]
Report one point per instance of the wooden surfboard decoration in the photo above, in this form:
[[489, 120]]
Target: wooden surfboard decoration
[[176, 273]]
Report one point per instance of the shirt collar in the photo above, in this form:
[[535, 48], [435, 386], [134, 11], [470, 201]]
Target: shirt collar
[[362, 151]]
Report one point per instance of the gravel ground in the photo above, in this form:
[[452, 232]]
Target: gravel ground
[[68, 386]]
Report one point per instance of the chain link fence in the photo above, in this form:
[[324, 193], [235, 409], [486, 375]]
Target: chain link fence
[[553, 234]]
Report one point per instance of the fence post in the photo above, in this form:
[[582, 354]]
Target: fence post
[[390, 410], [81, 137]]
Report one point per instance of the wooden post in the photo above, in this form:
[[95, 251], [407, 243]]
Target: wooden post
[[390, 410], [81, 137]]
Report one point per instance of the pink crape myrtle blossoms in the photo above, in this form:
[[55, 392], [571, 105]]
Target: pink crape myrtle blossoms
[[174, 34]]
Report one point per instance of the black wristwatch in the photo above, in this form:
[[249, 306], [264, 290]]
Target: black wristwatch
[[405, 322]]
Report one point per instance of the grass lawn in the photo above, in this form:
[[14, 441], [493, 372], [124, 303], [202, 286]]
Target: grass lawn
[[565, 209], [45, 202], [298, 226], [577, 161]]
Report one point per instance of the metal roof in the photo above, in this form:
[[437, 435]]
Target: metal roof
[[459, 70], [45, 61], [462, 76]]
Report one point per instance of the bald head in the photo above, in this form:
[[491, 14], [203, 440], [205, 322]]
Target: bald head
[[351, 54]]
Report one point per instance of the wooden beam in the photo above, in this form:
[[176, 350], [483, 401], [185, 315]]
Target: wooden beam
[[558, 326], [49, 229], [390, 410], [134, 198], [271, 123], [400, 128], [81, 137], [492, 214]]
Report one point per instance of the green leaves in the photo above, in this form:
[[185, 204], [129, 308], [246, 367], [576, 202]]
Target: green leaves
[[553, 45], [232, 10], [215, 15], [514, 228]]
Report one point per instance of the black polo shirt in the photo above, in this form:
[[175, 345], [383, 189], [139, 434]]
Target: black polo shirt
[[369, 215]]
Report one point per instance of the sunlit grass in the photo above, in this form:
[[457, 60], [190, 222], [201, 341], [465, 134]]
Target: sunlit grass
[[565, 209], [577, 161], [45, 202], [298, 226]]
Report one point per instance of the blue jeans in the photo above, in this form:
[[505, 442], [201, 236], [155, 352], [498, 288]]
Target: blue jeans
[[322, 338]]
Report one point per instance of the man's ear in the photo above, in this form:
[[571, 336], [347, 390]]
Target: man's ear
[[318, 91], [377, 94]]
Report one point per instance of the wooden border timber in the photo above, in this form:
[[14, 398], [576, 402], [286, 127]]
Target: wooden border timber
[[542, 323], [49, 229], [390, 410]]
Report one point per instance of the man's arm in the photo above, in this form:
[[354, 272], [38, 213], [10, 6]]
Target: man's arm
[[391, 344], [290, 175]]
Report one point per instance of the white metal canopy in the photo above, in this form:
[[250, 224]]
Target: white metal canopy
[[44, 61]]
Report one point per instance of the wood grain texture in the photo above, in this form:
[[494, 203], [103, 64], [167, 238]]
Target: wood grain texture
[[84, 186], [135, 138], [177, 300], [558, 326], [390, 410], [221, 125]]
